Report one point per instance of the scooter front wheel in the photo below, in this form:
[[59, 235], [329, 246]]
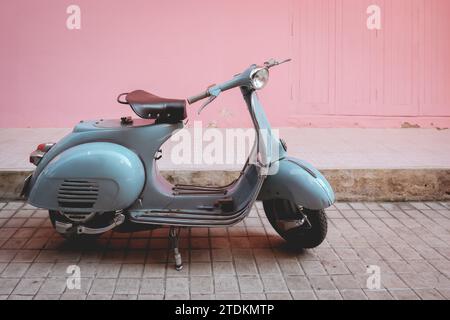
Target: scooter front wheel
[[300, 227]]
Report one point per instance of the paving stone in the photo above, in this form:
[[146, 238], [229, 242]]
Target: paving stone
[[26, 255], [102, 287], [53, 286], [250, 284], [39, 270], [353, 294], [200, 269], [20, 297], [227, 296], [378, 295], [347, 253], [99, 297], [176, 296], [429, 294], [108, 270], [290, 266], [225, 284], [404, 294], [223, 268], [127, 287], [278, 296], [150, 297], [73, 296], [342, 206], [201, 285], [7, 285], [200, 255], [268, 267], [335, 267], [313, 268], [253, 296], [274, 284], [5, 214], [343, 282], [321, 283], [124, 297], [358, 206], [304, 295], [392, 281], [221, 255], [15, 270], [131, 271], [409, 242], [13, 205], [297, 283], [43, 297], [28, 286], [328, 295], [245, 267], [220, 243], [177, 285], [152, 286], [154, 270]]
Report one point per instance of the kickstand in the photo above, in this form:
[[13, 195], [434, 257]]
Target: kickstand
[[174, 236]]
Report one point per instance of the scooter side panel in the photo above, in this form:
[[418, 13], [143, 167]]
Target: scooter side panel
[[90, 177], [300, 182]]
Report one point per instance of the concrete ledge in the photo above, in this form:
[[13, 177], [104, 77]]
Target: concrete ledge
[[390, 184], [349, 184]]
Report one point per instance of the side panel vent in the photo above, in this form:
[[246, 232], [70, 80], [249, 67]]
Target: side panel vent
[[78, 194]]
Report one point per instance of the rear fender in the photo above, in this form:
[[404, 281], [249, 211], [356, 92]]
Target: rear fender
[[91, 177], [299, 182]]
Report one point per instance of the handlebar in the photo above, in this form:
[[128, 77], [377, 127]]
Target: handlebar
[[198, 97], [240, 79]]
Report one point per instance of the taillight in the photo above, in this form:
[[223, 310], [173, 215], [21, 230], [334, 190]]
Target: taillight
[[45, 147], [37, 155]]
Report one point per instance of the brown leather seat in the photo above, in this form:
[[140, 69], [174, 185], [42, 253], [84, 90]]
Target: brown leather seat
[[149, 106]]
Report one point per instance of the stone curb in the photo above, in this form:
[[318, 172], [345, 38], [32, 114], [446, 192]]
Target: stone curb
[[349, 184]]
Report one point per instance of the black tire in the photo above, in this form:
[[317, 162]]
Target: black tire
[[300, 237]]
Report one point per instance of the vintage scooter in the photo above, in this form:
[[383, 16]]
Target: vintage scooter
[[104, 175]]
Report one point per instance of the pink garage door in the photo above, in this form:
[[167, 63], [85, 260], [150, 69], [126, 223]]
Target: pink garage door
[[347, 71], [342, 74]]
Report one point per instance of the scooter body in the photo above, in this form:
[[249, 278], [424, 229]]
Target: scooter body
[[110, 166]]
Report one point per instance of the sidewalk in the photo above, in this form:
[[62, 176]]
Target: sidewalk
[[362, 164], [408, 242]]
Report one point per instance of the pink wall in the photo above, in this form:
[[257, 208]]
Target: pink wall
[[342, 73]]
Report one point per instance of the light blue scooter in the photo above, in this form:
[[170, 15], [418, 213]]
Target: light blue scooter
[[104, 176]]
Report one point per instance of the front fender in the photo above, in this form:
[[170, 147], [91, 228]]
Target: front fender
[[91, 177], [299, 182]]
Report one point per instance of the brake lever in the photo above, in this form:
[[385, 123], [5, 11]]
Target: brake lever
[[214, 92], [272, 63], [211, 99]]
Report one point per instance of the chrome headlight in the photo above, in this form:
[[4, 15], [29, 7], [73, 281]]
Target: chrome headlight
[[259, 78]]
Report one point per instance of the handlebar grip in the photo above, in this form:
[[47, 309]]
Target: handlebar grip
[[198, 97]]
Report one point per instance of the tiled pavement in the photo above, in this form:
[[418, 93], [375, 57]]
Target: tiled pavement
[[410, 242]]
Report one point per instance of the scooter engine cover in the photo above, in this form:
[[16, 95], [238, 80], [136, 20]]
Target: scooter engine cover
[[92, 177]]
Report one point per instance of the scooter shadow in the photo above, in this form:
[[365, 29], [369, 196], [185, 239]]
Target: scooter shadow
[[187, 244]]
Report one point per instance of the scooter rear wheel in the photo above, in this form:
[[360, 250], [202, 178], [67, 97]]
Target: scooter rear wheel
[[74, 237], [307, 228]]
